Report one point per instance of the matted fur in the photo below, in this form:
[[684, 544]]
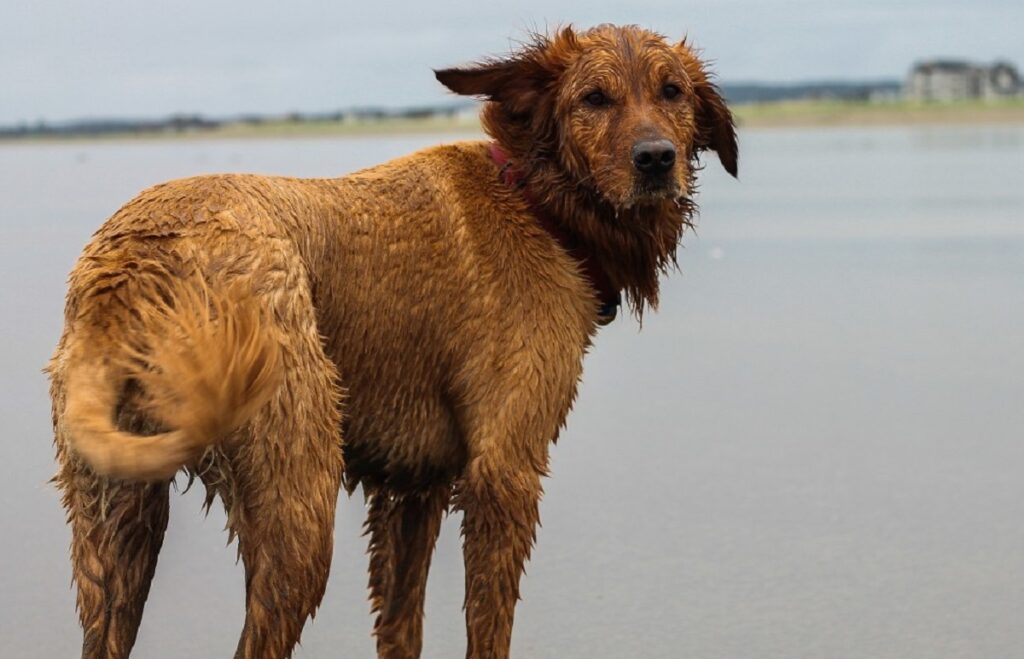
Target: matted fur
[[416, 315]]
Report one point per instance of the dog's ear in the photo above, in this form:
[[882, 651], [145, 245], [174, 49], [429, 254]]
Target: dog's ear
[[516, 82], [509, 82], [485, 79], [716, 129]]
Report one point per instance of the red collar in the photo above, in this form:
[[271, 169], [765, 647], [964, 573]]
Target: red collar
[[607, 294]]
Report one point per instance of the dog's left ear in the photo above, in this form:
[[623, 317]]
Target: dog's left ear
[[716, 129]]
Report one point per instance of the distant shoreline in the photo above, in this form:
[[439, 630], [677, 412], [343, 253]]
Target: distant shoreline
[[785, 114], [810, 114]]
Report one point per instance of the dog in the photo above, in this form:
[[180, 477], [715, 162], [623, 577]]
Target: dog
[[417, 329]]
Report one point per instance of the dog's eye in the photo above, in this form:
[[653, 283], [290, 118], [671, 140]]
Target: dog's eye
[[670, 91], [595, 99]]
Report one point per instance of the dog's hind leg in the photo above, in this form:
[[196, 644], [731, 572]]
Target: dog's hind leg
[[403, 530], [117, 529], [281, 487]]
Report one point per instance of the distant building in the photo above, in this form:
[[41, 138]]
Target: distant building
[[957, 80]]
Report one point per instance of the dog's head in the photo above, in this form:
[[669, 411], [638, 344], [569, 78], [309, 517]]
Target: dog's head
[[618, 110]]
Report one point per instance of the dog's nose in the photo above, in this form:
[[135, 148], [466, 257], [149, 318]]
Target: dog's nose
[[654, 156]]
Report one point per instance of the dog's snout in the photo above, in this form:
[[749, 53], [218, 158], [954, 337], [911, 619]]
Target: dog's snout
[[654, 156]]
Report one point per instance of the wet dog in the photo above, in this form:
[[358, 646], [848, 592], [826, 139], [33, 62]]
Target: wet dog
[[417, 328]]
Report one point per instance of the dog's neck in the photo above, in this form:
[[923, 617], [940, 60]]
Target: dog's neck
[[608, 295], [632, 247]]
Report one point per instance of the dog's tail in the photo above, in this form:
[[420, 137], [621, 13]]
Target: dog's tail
[[195, 365]]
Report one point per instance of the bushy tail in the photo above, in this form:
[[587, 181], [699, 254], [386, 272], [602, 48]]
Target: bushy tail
[[204, 366]]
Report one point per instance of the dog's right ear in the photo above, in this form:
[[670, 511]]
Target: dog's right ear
[[516, 82], [485, 79], [512, 82]]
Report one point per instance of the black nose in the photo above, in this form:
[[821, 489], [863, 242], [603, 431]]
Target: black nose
[[654, 156]]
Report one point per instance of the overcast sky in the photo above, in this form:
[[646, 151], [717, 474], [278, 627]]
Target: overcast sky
[[137, 58]]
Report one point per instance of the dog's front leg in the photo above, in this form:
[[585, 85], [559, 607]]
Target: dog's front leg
[[500, 506], [517, 392], [403, 529]]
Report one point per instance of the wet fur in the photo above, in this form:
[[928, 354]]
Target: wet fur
[[413, 316]]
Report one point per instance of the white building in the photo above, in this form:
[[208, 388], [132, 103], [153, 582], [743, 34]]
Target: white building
[[956, 80]]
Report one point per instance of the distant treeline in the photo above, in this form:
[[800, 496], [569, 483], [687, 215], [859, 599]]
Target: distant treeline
[[198, 123], [112, 126], [836, 91], [738, 93]]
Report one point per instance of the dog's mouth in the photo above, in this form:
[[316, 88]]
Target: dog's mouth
[[652, 190], [638, 190]]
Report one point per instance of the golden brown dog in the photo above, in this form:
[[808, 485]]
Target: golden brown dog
[[417, 328]]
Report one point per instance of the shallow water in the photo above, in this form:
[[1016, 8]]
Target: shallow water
[[813, 450]]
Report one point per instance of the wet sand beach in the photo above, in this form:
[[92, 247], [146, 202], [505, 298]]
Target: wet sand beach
[[814, 449]]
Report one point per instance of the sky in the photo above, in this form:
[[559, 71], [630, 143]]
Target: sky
[[69, 59]]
